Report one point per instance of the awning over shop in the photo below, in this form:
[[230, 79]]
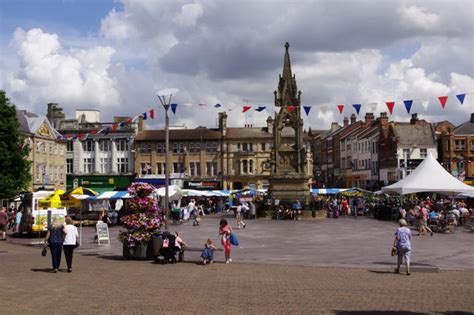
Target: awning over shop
[[327, 191], [114, 195]]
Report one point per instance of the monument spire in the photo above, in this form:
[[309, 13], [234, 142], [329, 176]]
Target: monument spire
[[287, 65], [287, 90]]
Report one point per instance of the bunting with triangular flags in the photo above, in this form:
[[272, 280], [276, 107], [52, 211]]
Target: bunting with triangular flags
[[442, 100], [260, 108], [144, 116], [357, 107], [217, 105], [340, 108], [408, 104], [307, 109], [323, 109], [425, 104], [114, 127], [390, 106], [174, 106], [461, 98], [291, 108], [246, 108], [371, 107], [152, 113]]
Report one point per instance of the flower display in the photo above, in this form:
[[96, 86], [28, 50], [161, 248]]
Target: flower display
[[145, 218]]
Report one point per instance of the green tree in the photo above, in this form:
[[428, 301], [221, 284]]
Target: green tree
[[15, 174]]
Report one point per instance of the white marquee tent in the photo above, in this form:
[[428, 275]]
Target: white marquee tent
[[429, 176]]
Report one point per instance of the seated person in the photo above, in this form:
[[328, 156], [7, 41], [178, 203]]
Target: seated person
[[207, 254]]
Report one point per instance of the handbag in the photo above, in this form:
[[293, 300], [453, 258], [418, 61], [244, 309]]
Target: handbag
[[394, 251], [77, 245], [44, 251], [233, 239]]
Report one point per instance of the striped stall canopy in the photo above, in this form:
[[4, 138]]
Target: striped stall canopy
[[327, 191], [114, 195]]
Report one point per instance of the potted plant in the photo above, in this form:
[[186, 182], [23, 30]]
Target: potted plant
[[142, 223]]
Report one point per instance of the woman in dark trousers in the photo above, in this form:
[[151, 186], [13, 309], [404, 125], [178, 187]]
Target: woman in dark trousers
[[71, 238], [54, 237]]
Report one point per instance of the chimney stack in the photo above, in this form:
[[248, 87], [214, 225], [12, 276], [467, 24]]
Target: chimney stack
[[369, 117], [346, 122], [414, 119], [334, 126], [270, 124], [353, 119], [383, 118]]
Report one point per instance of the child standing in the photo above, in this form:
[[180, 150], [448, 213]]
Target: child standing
[[208, 252]]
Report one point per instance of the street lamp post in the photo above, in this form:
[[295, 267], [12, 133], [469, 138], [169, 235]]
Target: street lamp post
[[165, 96]]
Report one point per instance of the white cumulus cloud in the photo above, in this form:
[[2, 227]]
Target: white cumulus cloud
[[50, 73]]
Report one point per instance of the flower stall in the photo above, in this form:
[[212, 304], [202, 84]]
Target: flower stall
[[143, 222]]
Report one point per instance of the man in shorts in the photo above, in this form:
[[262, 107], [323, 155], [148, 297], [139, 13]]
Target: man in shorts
[[3, 223]]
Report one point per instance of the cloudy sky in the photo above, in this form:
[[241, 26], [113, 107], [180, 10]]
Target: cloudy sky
[[113, 56]]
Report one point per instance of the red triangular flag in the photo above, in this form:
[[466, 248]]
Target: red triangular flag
[[93, 132], [129, 120], [114, 127], [246, 108], [152, 113], [442, 100], [340, 108], [390, 106], [291, 108]]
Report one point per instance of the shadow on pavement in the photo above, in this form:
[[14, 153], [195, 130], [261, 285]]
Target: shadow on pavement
[[394, 263], [375, 312], [395, 313], [47, 270], [383, 272]]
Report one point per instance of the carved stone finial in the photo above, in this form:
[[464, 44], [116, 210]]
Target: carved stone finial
[[287, 45]]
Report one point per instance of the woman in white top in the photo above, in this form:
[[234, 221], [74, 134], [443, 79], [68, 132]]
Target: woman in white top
[[71, 237]]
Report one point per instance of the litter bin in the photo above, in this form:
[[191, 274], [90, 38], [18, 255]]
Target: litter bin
[[157, 242]]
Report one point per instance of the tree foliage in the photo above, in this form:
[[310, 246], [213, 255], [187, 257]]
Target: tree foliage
[[15, 174]]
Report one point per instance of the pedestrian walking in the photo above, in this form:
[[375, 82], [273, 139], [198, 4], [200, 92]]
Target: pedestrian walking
[[238, 217], [3, 223], [224, 231], [11, 221], [403, 244], [71, 241], [54, 237]]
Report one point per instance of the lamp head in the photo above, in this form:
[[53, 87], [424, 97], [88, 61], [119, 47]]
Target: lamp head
[[166, 92]]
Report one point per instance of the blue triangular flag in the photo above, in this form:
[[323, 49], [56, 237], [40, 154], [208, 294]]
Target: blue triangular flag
[[144, 116], [307, 109], [105, 131], [260, 108], [357, 107], [217, 105], [461, 98], [408, 105], [173, 108]]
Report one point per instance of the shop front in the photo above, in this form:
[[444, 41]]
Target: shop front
[[100, 183], [203, 185]]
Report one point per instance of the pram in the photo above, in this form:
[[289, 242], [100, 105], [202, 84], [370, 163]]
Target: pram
[[168, 249]]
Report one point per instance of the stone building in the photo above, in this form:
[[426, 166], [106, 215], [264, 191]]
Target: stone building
[[101, 161], [457, 151], [47, 151], [194, 155], [403, 145]]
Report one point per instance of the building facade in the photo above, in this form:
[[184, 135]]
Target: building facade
[[457, 151], [403, 146], [47, 151], [103, 161]]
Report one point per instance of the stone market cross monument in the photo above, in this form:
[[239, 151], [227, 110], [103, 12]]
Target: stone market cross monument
[[288, 180]]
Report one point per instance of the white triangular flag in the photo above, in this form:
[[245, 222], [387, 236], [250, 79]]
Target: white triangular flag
[[425, 104], [323, 109], [371, 107]]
